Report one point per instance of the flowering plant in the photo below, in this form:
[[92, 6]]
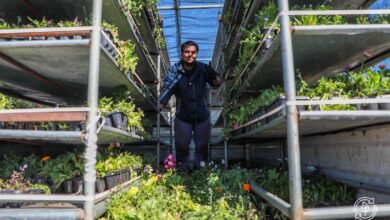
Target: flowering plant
[[169, 162]]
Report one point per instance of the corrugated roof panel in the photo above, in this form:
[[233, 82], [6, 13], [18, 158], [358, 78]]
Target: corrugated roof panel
[[197, 24]]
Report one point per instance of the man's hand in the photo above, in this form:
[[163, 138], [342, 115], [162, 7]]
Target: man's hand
[[211, 74]]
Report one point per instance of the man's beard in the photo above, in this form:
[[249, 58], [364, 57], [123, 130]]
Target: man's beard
[[188, 63]]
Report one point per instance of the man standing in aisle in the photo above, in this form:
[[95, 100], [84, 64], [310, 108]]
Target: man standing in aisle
[[187, 80]]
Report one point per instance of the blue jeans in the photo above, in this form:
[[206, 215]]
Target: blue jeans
[[183, 134]]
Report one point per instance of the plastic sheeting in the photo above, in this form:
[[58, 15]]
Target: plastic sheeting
[[382, 4], [199, 25]]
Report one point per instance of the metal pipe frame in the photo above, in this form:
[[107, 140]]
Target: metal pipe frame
[[338, 12], [43, 43], [64, 136], [171, 131], [173, 142], [178, 26], [294, 161], [53, 31], [93, 88], [159, 110], [277, 202], [339, 28], [45, 198], [338, 101], [344, 114], [344, 212], [45, 110], [190, 7], [42, 213], [225, 145]]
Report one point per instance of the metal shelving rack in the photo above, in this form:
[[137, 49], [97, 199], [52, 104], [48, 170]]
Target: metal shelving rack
[[284, 123], [24, 76]]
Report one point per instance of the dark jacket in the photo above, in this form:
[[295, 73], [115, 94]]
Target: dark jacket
[[190, 90]]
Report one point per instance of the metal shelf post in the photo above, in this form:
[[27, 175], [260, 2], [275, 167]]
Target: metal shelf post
[[158, 107], [225, 145], [93, 87], [294, 161]]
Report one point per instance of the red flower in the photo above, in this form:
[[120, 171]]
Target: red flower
[[45, 158], [246, 187], [382, 67], [217, 188]]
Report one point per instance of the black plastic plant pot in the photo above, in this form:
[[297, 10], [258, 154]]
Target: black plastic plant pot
[[119, 177], [78, 126], [124, 121], [373, 106], [111, 180], [67, 186], [100, 185], [39, 180], [7, 191], [77, 185], [127, 175], [118, 121], [384, 106], [108, 121]]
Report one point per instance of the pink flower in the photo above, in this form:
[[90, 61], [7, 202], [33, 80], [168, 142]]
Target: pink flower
[[169, 162]]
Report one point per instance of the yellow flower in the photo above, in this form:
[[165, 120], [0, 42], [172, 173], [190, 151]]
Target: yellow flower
[[133, 190], [148, 183], [154, 179]]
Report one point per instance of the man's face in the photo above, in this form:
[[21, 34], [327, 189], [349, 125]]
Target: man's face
[[189, 54]]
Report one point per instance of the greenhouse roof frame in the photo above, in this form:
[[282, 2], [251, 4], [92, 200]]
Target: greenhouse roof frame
[[195, 20]]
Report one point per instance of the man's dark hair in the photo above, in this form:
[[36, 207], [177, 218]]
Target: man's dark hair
[[189, 43]]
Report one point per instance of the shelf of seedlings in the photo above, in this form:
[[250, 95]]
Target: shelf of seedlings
[[240, 18], [270, 123], [47, 62], [239, 46], [59, 180], [328, 48], [64, 77], [114, 12], [343, 102], [318, 50], [64, 126]]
